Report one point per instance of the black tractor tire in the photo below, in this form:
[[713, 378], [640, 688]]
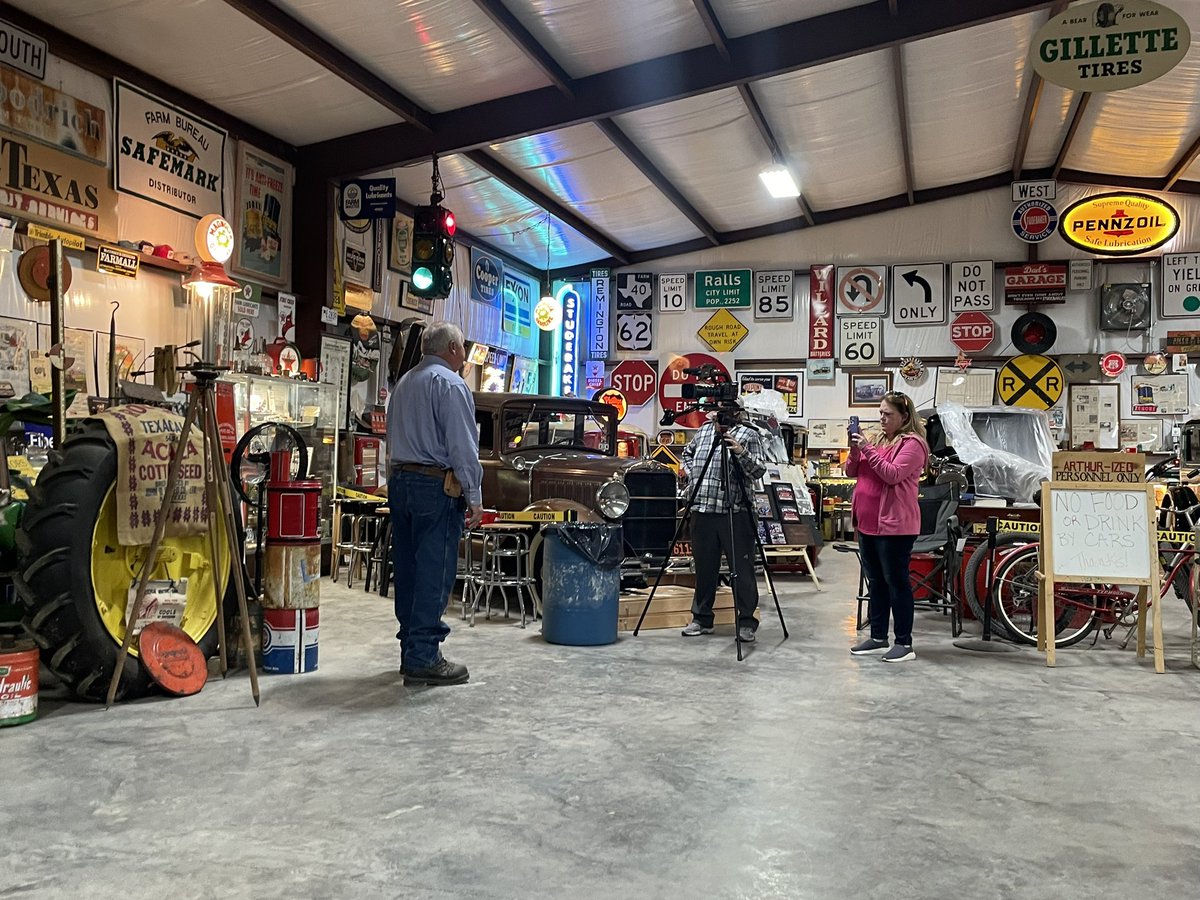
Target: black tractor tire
[[54, 579]]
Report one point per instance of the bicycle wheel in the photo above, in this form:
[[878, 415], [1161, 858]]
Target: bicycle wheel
[[1016, 602], [974, 587]]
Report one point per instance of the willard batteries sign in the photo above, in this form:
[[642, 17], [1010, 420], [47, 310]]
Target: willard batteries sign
[[1119, 224], [1105, 46], [168, 156]]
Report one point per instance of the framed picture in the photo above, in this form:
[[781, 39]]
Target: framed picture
[[263, 225], [409, 300], [400, 245], [820, 370], [868, 389]]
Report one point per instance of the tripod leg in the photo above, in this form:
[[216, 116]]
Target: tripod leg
[[687, 512], [225, 502], [726, 456], [151, 560], [762, 553], [211, 455]]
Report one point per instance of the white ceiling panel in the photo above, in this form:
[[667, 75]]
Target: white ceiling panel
[[492, 212], [840, 129], [582, 168], [965, 99], [217, 54], [590, 36], [709, 148], [1144, 130], [742, 17], [429, 50], [1049, 126]]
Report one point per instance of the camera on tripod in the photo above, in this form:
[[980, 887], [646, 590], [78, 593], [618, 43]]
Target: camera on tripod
[[712, 392]]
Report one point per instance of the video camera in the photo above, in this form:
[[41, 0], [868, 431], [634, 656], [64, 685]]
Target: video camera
[[712, 392]]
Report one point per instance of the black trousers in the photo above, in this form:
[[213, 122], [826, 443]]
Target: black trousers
[[886, 560], [711, 538]]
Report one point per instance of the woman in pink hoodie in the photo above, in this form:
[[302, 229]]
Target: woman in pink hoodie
[[888, 520]]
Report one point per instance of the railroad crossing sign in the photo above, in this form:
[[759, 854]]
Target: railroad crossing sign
[[862, 291], [1031, 381], [919, 293], [636, 380], [971, 332]]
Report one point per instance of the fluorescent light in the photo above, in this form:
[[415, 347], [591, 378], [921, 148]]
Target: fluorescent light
[[779, 181]]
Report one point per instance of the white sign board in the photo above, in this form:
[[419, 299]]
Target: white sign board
[[1181, 285], [919, 294], [672, 293], [862, 290], [1079, 275], [635, 331], [1033, 190], [972, 286], [1101, 535], [633, 291], [773, 295], [860, 341]]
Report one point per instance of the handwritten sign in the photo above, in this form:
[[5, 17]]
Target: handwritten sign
[[1100, 468], [1099, 535]]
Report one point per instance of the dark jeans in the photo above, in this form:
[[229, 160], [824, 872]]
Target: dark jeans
[[711, 538], [426, 527], [886, 561]]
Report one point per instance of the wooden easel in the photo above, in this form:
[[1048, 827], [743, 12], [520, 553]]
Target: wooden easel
[[1145, 577], [201, 406]]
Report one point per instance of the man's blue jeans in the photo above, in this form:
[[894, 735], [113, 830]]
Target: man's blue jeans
[[426, 528]]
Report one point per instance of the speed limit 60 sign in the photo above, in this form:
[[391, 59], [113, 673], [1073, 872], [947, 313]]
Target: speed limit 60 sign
[[860, 341], [773, 295]]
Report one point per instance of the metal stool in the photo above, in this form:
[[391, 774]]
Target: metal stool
[[469, 571], [379, 560], [357, 519], [500, 543]]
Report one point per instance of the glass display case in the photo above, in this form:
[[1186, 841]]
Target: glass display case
[[311, 409]]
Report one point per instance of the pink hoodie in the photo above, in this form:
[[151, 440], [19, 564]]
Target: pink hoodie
[[888, 479]]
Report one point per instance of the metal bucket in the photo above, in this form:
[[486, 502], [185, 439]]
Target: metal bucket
[[292, 576], [18, 682], [290, 640]]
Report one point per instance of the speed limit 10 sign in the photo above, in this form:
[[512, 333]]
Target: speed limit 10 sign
[[672, 290], [773, 295], [860, 341]]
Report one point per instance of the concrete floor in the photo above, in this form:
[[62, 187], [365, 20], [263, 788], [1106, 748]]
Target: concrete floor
[[653, 768]]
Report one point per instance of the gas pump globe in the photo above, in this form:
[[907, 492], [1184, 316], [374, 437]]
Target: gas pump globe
[[210, 290]]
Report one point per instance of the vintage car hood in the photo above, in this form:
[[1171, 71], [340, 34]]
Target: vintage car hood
[[592, 465]]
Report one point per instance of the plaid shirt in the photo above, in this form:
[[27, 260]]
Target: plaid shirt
[[710, 497]]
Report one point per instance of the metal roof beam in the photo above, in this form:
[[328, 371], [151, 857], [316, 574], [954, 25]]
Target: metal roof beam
[[768, 136], [709, 17], [622, 142], [1081, 104], [1033, 97], [528, 44], [787, 48], [902, 107], [329, 57], [1184, 163], [550, 204]]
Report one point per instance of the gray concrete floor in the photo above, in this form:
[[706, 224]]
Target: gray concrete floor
[[652, 768]]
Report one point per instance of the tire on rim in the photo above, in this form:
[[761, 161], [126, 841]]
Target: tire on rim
[[74, 577]]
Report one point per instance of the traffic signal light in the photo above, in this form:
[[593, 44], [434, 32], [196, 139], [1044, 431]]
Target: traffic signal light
[[433, 251]]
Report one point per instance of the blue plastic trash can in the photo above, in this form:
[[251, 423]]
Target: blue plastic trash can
[[581, 583]]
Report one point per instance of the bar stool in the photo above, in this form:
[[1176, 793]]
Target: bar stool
[[469, 571], [356, 518], [379, 561], [500, 543]]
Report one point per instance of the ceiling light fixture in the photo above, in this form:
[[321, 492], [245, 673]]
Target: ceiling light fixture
[[779, 181]]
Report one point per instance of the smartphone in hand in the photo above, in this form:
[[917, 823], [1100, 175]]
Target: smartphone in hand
[[852, 428]]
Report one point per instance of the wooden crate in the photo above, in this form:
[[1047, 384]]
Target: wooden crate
[[671, 619], [671, 608]]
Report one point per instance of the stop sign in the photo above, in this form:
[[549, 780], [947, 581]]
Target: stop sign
[[972, 331], [636, 380]]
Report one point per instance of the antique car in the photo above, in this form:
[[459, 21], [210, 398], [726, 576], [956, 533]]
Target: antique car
[[555, 453]]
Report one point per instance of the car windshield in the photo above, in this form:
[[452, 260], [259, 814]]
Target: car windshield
[[539, 428]]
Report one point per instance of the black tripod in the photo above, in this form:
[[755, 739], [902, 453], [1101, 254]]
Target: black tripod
[[728, 461]]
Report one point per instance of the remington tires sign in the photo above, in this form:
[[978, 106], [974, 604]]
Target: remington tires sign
[[1110, 46]]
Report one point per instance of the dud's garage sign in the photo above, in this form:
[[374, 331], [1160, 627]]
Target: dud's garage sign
[[1107, 46], [1121, 224]]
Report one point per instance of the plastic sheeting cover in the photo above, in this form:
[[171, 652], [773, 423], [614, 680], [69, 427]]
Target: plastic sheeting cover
[[1010, 450], [598, 542]]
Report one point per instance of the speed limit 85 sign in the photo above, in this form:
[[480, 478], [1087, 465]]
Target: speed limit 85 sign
[[860, 341], [773, 295]]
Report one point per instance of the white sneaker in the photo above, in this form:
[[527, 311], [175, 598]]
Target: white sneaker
[[694, 628]]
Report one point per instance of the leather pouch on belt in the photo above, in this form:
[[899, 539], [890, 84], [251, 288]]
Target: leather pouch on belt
[[450, 485]]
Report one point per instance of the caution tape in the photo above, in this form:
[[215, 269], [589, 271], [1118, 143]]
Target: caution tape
[[351, 494], [538, 515], [1164, 537]]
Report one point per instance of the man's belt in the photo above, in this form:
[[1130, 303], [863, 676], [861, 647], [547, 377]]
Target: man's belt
[[431, 471]]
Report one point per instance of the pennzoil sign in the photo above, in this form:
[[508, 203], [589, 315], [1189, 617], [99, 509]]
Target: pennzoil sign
[[1120, 224]]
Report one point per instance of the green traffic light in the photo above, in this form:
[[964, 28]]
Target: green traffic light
[[422, 278]]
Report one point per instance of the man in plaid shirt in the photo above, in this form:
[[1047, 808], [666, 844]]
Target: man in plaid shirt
[[710, 522]]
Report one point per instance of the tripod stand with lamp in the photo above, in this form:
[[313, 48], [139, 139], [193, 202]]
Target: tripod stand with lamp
[[718, 397]]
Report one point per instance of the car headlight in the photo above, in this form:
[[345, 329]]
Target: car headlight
[[612, 499]]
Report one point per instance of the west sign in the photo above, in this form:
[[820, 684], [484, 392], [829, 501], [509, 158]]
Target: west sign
[[1104, 46], [1121, 224]]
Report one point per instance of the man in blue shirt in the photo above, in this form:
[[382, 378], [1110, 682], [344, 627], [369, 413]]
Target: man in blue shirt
[[435, 477]]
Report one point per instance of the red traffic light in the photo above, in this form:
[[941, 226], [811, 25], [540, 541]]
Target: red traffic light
[[449, 225]]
